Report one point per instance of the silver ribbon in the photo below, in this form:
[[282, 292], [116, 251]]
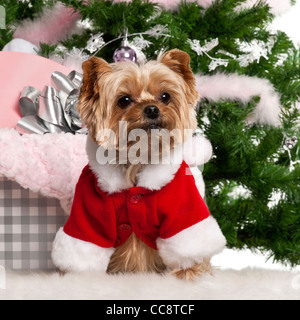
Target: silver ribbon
[[54, 109]]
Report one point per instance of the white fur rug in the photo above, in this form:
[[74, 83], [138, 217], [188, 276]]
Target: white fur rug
[[243, 284]]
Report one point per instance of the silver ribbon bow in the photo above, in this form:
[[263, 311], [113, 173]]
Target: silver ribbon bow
[[55, 109]]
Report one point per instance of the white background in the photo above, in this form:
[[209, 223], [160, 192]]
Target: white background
[[290, 23], [234, 259]]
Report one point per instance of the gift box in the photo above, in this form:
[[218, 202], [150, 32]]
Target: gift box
[[19, 70], [38, 175], [42, 155], [28, 223]]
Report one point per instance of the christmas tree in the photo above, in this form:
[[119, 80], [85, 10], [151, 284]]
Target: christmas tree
[[248, 76]]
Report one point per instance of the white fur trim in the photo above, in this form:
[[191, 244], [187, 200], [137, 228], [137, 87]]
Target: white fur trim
[[194, 151], [191, 245], [110, 176], [71, 254], [197, 151], [156, 176], [199, 180], [243, 88]]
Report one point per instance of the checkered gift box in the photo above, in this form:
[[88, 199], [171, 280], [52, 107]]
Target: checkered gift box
[[28, 224]]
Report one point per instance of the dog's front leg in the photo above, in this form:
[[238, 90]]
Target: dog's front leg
[[193, 272], [187, 253]]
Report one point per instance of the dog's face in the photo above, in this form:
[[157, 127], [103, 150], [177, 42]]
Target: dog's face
[[157, 95]]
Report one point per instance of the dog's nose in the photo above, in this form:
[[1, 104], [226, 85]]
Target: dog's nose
[[152, 112]]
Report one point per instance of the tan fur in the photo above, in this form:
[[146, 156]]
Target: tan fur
[[135, 256], [194, 271], [103, 85], [131, 171], [144, 84]]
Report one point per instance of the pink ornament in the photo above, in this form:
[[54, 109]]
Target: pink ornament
[[124, 53]]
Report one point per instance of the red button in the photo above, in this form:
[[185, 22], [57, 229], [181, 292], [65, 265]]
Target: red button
[[135, 198], [125, 226]]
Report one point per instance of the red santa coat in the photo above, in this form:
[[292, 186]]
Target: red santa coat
[[107, 220]]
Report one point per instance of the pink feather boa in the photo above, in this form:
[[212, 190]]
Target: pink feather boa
[[53, 25]]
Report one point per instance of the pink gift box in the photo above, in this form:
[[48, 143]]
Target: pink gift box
[[18, 70]]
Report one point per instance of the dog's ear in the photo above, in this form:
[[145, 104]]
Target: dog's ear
[[179, 62], [91, 109], [93, 70]]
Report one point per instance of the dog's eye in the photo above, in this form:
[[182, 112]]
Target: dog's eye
[[124, 102], [165, 98]]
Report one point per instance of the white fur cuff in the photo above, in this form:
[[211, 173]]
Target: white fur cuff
[[191, 245], [71, 254], [197, 151]]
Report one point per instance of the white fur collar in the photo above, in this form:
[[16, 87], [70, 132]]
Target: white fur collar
[[110, 177], [153, 176]]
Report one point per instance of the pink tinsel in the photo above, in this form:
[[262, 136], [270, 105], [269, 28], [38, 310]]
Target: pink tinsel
[[53, 25]]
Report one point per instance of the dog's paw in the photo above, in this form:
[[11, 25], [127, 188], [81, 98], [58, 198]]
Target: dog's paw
[[193, 272]]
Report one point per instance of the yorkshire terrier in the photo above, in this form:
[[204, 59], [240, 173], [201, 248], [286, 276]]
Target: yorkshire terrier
[[138, 216]]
